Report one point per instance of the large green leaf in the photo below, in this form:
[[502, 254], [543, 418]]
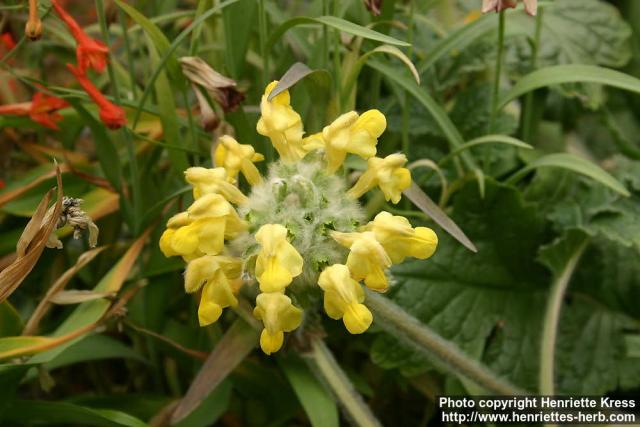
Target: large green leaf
[[479, 301]]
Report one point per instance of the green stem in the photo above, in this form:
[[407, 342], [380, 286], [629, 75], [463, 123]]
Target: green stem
[[529, 116], [327, 368], [336, 61], [401, 325], [498, 73], [406, 105], [127, 47], [131, 152], [551, 320], [262, 28]]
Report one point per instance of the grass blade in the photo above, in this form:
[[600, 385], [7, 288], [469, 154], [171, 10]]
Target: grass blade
[[575, 164], [560, 74]]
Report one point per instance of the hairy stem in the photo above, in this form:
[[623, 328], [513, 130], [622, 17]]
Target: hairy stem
[[329, 372], [401, 325], [551, 320]]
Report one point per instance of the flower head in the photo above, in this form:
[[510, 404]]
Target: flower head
[[343, 298], [42, 109], [236, 158], [281, 124], [278, 261], [90, 53], [352, 133], [112, 115], [278, 315], [531, 6], [388, 173], [291, 229]]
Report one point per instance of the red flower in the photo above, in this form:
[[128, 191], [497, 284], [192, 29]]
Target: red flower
[[42, 109], [111, 114], [91, 53]]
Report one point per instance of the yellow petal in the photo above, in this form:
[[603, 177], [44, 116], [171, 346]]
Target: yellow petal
[[357, 318], [166, 243], [210, 232], [208, 312], [185, 240], [270, 343], [271, 275], [198, 272]]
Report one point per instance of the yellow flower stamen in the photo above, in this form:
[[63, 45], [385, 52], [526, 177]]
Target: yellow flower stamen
[[281, 123], [278, 315], [388, 173], [278, 261], [343, 298], [236, 158]]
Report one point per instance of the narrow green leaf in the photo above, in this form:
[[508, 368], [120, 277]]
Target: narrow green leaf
[[10, 321], [575, 164], [488, 139], [297, 72], [429, 207], [32, 412], [160, 41], [459, 40], [560, 74], [236, 344], [333, 22], [317, 403]]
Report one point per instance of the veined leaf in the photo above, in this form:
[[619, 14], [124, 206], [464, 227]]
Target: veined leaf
[[575, 164]]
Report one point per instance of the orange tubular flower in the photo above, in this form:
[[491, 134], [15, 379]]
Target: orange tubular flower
[[42, 109], [91, 53], [111, 114]]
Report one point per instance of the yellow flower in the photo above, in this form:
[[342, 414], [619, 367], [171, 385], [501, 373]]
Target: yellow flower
[[353, 134], [202, 229], [278, 261], [236, 158], [367, 258], [220, 276], [278, 316], [400, 240], [343, 298], [213, 181], [281, 124], [388, 173]]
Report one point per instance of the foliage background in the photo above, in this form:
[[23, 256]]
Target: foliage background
[[130, 369]]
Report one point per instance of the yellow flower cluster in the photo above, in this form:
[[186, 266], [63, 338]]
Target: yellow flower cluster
[[279, 252]]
